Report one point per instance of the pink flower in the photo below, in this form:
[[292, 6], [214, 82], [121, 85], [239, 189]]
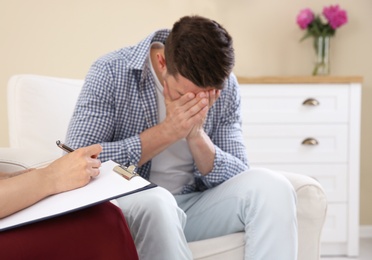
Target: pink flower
[[335, 16], [304, 18]]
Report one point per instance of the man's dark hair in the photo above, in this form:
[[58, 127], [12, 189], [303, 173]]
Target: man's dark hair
[[200, 50]]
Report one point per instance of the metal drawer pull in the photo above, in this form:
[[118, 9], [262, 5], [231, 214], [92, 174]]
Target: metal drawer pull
[[311, 102], [310, 141]]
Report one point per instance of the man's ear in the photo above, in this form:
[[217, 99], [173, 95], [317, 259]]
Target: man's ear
[[161, 61]]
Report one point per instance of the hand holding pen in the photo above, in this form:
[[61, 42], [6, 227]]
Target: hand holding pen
[[127, 171], [76, 168]]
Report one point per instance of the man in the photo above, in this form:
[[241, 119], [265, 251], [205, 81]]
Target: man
[[171, 106]]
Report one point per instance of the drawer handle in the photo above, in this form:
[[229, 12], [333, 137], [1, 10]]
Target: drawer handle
[[310, 141], [311, 102]]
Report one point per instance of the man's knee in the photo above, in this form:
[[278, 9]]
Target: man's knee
[[276, 195], [267, 181], [265, 188], [150, 204]]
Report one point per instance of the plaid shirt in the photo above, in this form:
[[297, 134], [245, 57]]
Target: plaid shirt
[[118, 102]]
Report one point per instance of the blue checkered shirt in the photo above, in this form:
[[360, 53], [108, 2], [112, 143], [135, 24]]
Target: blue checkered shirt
[[118, 101]]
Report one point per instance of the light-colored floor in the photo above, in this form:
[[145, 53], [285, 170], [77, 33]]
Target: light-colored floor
[[365, 251]]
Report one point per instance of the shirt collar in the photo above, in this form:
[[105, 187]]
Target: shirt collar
[[141, 50]]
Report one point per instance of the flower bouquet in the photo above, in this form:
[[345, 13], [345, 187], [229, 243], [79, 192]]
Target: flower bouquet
[[321, 28]]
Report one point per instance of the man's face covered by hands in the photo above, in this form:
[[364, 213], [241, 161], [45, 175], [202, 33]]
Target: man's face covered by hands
[[176, 87], [187, 105]]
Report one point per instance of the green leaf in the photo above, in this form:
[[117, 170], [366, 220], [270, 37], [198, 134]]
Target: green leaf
[[307, 35]]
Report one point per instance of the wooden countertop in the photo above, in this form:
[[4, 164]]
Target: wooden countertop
[[299, 79]]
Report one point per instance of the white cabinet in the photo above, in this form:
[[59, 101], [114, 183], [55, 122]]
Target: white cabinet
[[311, 126]]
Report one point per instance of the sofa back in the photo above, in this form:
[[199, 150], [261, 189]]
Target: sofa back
[[39, 111]]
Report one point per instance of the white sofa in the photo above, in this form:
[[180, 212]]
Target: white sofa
[[39, 109]]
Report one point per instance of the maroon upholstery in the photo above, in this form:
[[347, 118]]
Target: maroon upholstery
[[97, 232]]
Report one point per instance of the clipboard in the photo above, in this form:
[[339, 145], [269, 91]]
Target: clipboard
[[114, 181], [128, 172]]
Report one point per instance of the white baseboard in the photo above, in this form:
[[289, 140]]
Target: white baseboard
[[365, 231]]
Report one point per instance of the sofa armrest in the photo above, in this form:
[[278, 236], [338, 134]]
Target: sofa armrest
[[16, 159], [311, 213]]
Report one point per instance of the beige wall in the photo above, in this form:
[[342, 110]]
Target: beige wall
[[62, 39]]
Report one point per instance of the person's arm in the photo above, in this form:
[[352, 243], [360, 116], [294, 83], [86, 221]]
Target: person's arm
[[69, 172], [201, 146], [224, 131], [6, 175], [108, 112]]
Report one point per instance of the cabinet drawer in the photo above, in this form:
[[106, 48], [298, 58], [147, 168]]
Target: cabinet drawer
[[335, 226], [285, 103], [284, 143], [332, 177]]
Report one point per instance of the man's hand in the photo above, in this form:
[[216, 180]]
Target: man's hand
[[201, 146], [184, 113], [186, 116], [197, 130]]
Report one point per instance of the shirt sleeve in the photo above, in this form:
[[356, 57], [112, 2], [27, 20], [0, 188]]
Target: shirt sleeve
[[94, 119], [226, 134]]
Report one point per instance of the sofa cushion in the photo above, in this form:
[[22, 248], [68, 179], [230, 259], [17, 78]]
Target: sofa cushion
[[29, 98], [219, 248]]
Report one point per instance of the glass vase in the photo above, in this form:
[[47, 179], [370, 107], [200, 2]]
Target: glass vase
[[321, 46]]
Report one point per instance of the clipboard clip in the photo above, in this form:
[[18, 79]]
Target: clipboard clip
[[128, 172]]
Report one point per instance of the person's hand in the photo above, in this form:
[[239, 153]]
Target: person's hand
[[75, 169], [212, 95], [184, 112]]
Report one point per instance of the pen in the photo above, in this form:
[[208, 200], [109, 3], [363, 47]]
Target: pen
[[64, 147]]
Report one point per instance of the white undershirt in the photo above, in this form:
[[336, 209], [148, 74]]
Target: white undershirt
[[172, 168]]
